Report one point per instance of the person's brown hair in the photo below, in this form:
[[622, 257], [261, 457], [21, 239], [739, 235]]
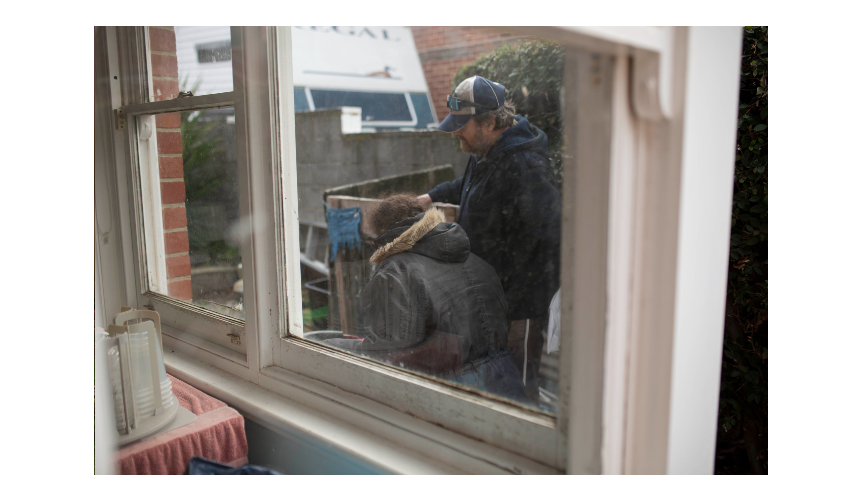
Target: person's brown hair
[[394, 209], [503, 117]]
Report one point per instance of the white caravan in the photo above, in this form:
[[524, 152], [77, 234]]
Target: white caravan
[[373, 68]]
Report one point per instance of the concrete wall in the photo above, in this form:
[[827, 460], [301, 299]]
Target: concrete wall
[[327, 158]]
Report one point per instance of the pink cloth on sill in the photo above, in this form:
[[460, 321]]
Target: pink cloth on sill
[[218, 433]]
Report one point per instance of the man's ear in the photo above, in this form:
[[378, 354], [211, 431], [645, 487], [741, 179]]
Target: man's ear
[[486, 127]]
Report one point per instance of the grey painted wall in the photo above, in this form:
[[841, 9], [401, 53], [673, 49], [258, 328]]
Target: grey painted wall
[[299, 454], [326, 158]]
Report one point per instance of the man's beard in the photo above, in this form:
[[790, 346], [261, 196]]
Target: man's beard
[[479, 147]]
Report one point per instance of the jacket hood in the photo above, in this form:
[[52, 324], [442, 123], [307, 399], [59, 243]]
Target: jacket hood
[[425, 234], [522, 136]]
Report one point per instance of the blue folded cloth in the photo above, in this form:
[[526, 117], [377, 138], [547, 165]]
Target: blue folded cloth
[[343, 225], [199, 466]]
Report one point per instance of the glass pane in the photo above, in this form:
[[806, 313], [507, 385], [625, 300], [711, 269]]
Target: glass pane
[[191, 208], [376, 106], [194, 59], [461, 292]]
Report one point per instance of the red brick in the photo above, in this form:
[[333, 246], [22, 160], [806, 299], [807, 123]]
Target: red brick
[[173, 192], [165, 89], [176, 242], [170, 167], [180, 289], [164, 65], [168, 120], [170, 142], [174, 217], [162, 40], [439, 72], [179, 266]]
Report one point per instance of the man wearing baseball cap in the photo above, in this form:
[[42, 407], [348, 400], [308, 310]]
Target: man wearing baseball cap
[[509, 208]]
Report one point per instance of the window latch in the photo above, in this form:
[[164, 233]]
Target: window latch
[[120, 118]]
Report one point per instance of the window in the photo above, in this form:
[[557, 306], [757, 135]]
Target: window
[[376, 107], [509, 269], [211, 268], [381, 110], [203, 57], [213, 52], [618, 217], [343, 306], [193, 225]]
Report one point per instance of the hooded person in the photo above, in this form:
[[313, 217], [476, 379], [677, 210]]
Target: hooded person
[[509, 209], [431, 305]]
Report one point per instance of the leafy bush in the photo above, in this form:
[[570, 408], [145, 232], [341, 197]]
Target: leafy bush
[[533, 75], [200, 147], [743, 401], [209, 181]]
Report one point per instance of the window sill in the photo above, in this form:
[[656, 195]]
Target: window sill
[[346, 424]]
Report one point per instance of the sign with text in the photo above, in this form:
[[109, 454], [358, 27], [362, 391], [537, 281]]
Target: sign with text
[[363, 58]]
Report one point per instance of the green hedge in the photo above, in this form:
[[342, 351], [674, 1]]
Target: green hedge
[[532, 73], [743, 403]]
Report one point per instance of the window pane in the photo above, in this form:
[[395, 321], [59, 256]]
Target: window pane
[[191, 208], [194, 59], [376, 106], [462, 292]]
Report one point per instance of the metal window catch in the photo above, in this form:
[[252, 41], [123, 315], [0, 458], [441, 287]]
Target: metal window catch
[[235, 339], [120, 118]]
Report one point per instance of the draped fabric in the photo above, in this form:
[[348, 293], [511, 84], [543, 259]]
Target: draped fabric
[[343, 224]]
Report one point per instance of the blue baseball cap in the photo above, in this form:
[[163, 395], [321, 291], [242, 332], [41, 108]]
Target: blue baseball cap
[[474, 96]]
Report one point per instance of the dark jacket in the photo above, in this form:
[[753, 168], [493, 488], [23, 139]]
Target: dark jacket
[[433, 306], [510, 210]]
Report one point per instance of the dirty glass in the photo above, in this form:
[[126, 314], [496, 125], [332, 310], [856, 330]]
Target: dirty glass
[[191, 208], [195, 59], [468, 301]]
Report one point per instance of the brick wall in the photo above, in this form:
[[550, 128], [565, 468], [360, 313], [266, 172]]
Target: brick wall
[[163, 48], [443, 50]]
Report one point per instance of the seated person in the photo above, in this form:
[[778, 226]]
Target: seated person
[[432, 306]]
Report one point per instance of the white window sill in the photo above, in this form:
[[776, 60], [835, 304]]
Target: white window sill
[[378, 435]]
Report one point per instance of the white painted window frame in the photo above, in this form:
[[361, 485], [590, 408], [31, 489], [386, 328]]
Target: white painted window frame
[[186, 327], [620, 344]]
